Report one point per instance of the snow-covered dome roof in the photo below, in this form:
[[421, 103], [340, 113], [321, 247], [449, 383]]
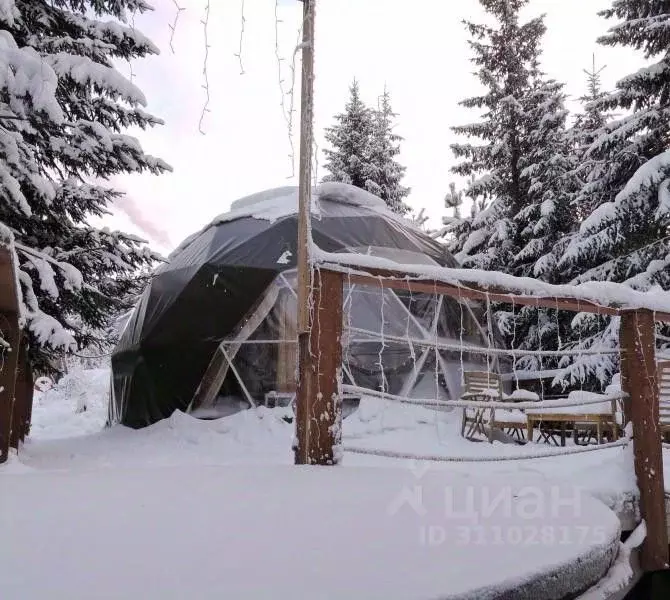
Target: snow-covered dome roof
[[287, 197], [277, 203]]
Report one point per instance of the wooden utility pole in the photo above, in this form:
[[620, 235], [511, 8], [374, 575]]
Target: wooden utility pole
[[639, 380], [306, 385], [305, 174]]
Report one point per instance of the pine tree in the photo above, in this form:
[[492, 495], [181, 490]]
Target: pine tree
[[593, 118], [63, 109], [419, 220], [547, 217], [349, 138], [457, 228], [546, 221], [383, 172], [507, 57], [625, 236], [584, 330], [453, 200], [584, 133]]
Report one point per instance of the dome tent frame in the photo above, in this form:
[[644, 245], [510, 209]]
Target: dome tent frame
[[423, 334], [214, 282]]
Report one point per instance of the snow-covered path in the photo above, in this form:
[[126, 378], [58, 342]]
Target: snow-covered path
[[214, 509], [280, 532], [63, 439]]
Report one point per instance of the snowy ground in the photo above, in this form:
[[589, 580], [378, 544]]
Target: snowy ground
[[61, 438], [174, 500]]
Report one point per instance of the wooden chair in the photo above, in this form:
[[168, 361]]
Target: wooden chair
[[483, 386], [663, 375], [479, 386]]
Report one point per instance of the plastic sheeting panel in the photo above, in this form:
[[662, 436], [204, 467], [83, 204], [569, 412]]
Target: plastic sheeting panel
[[215, 283]]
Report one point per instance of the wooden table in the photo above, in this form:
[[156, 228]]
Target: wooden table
[[602, 416]]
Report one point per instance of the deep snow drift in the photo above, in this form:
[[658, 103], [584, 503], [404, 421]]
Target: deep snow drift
[[212, 509]]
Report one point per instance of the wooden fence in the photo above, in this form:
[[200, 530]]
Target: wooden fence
[[318, 411], [16, 381]]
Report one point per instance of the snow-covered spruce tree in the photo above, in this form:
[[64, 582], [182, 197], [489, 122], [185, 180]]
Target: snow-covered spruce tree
[[456, 227], [452, 223], [63, 109], [349, 138], [382, 171], [544, 224], [454, 201], [626, 231], [625, 238], [506, 56], [547, 172], [584, 132], [593, 117]]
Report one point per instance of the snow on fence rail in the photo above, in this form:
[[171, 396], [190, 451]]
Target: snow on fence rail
[[504, 458], [602, 297], [506, 405]]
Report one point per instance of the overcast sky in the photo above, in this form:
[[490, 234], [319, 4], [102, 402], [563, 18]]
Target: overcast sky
[[417, 48]]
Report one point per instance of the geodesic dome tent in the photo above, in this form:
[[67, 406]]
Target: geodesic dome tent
[[222, 312]]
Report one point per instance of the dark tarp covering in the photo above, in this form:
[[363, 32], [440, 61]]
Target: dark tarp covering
[[216, 278]]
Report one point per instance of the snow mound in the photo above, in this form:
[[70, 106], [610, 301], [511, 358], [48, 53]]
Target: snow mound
[[349, 194], [378, 416], [76, 405], [276, 203], [342, 193], [269, 205]]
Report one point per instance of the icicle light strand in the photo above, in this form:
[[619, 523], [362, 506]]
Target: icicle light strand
[[205, 108]]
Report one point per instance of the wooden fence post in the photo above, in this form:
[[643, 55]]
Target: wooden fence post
[[638, 353], [319, 406], [23, 398], [11, 335]]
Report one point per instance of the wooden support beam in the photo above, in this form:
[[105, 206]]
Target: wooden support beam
[[23, 398], [474, 293], [211, 381], [625, 366], [470, 291], [12, 335], [318, 407], [640, 382]]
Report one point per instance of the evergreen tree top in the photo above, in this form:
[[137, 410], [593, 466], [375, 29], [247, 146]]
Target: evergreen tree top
[[645, 26], [348, 138], [593, 82], [364, 147]]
